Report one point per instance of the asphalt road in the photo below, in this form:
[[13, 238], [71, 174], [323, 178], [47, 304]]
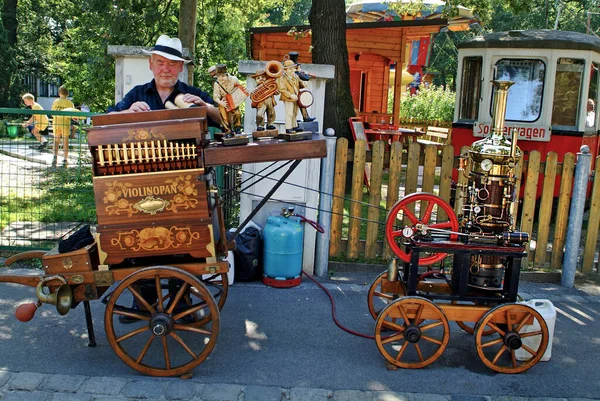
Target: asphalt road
[[287, 338]]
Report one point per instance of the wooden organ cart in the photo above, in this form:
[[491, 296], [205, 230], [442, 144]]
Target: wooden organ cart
[[159, 239], [478, 288]]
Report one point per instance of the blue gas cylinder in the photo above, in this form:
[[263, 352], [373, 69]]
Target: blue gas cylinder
[[282, 251]]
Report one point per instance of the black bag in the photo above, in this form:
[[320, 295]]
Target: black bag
[[247, 256], [79, 239]]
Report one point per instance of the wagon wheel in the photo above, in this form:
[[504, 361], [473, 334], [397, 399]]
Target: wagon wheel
[[498, 352], [180, 344], [377, 296], [403, 223], [421, 332]]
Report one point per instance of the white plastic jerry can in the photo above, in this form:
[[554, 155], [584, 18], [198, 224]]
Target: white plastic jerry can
[[548, 312]]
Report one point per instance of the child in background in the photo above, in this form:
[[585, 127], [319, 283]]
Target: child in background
[[38, 123], [62, 125]]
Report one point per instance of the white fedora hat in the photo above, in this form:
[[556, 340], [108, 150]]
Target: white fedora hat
[[169, 48]]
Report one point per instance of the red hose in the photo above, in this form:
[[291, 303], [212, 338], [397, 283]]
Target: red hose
[[338, 324], [314, 224]]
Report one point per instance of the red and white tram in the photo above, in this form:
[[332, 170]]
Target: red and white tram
[[553, 101]]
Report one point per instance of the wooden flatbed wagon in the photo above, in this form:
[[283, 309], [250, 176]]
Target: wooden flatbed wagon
[[157, 256]]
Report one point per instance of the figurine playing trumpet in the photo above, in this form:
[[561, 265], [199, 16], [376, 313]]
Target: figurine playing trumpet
[[263, 99]]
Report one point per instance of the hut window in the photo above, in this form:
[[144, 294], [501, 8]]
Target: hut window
[[525, 96], [470, 88], [567, 92]]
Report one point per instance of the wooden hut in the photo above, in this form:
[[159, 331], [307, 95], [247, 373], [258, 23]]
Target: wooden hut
[[379, 41]]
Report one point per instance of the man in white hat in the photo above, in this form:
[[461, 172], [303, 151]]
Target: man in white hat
[[166, 62]]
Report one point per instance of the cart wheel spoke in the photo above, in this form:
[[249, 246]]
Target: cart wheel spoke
[[145, 349], [509, 352], [425, 349], [492, 343], [402, 349], [159, 303], [393, 337], [177, 298], [401, 213], [141, 300], [499, 354], [132, 334], [166, 352], [522, 323], [182, 346], [191, 327], [418, 349], [431, 326]]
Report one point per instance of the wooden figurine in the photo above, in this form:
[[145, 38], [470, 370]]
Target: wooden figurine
[[263, 99], [229, 94], [289, 87], [305, 96]]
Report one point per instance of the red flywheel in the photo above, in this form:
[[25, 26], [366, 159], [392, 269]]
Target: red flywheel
[[416, 213]]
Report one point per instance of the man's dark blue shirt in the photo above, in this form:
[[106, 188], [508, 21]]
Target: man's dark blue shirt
[[148, 93]]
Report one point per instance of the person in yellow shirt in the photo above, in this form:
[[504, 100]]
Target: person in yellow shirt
[[62, 125], [38, 122]]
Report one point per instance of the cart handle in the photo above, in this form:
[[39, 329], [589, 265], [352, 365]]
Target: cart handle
[[24, 255]]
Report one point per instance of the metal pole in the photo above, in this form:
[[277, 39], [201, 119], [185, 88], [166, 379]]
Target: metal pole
[[325, 201], [582, 174]]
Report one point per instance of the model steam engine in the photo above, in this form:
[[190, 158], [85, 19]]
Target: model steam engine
[[482, 281], [488, 196]]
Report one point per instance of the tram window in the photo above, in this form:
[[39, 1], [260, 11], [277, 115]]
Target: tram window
[[470, 90], [525, 96], [592, 100], [567, 92]]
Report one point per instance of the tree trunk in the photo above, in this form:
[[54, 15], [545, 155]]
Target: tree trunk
[[9, 21], [328, 23], [187, 31]]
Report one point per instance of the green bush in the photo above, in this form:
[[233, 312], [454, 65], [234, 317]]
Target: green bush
[[430, 103]]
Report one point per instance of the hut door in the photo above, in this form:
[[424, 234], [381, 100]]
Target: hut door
[[356, 88]]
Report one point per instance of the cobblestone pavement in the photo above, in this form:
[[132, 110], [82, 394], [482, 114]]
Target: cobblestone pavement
[[28, 386]]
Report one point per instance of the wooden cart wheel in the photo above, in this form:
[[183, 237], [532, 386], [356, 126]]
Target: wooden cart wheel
[[377, 299], [421, 332], [168, 339], [509, 323], [403, 223]]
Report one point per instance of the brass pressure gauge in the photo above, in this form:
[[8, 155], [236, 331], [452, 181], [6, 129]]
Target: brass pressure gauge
[[486, 165]]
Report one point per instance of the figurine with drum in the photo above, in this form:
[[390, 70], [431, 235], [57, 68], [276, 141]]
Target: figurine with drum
[[289, 88], [305, 96], [263, 99]]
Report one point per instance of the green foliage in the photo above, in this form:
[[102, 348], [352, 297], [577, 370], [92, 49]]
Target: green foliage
[[430, 103]]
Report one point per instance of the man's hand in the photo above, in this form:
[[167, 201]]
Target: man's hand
[[139, 106], [294, 97], [189, 98]]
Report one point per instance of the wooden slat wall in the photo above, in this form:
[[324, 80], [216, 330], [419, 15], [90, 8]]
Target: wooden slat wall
[[406, 164]]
